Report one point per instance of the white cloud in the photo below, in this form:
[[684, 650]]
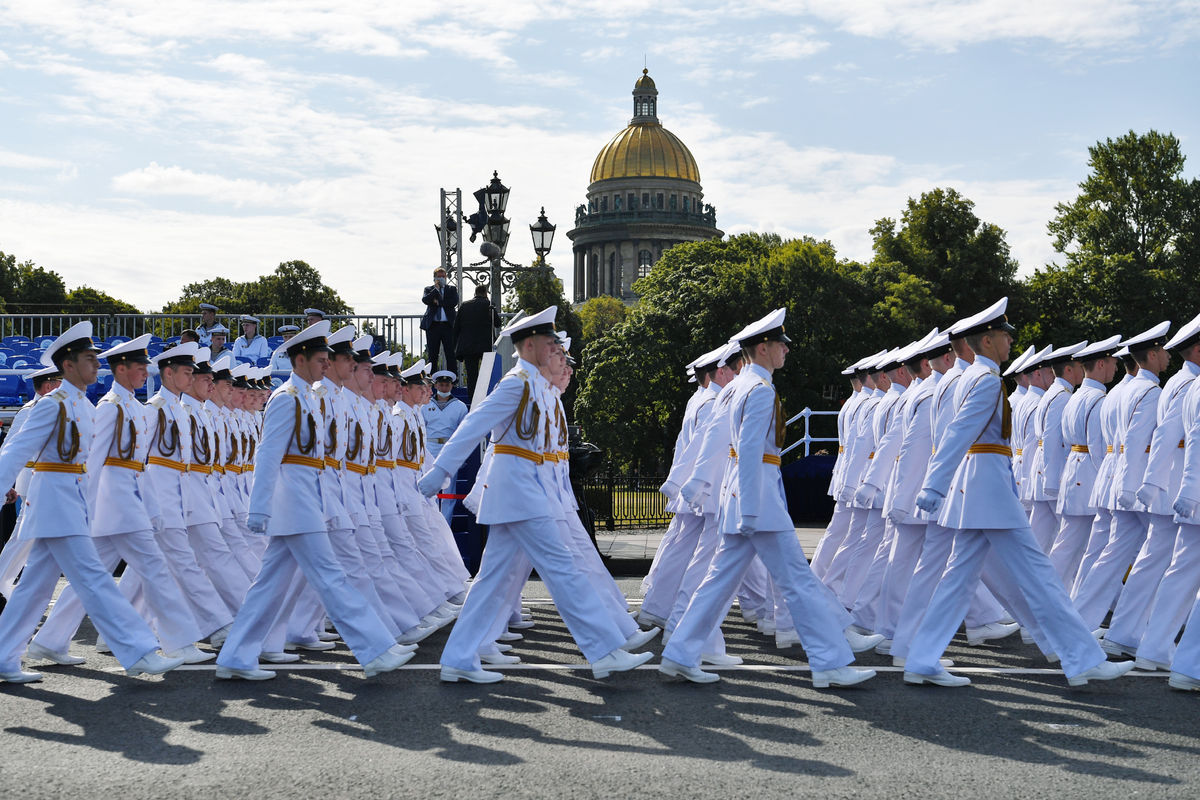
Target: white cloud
[[65, 170]]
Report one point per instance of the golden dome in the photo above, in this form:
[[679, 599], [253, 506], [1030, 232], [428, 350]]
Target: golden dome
[[645, 150]]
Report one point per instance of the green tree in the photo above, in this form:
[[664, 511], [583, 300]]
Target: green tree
[[292, 287], [599, 314], [538, 289], [697, 296], [960, 262], [1130, 245], [86, 300], [29, 289]]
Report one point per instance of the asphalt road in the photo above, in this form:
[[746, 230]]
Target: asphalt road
[[550, 730]]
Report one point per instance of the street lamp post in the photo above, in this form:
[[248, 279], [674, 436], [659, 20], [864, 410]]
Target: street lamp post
[[500, 273]]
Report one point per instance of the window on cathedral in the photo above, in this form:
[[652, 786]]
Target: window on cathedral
[[659, 201], [674, 202], [685, 205], [645, 262], [616, 202], [645, 199], [603, 204], [632, 201]]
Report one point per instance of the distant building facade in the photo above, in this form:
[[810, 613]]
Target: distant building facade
[[644, 196]]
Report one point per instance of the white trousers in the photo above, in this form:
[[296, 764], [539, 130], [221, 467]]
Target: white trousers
[[445, 576], [982, 607], [669, 536], [1069, 546], [1098, 538], [312, 554], [835, 534], [907, 541], [414, 570], [1129, 618], [865, 607], [861, 556], [537, 540], [207, 607], [75, 557], [820, 634], [693, 576], [1173, 600], [219, 563], [671, 561], [169, 614], [1019, 556], [756, 592], [1043, 521], [1098, 589], [839, 562]]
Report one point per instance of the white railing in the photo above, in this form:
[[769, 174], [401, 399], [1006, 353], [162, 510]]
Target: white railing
[[807, 414]]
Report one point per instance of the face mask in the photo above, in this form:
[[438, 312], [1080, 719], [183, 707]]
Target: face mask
[[443, 395], [441, 281]]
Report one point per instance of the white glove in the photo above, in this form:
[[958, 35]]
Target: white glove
[[156, 523], [669, 490], [691, 492], [865, 496], [748, 523], [431, 482], [1186, 508], [929, 500], [257, 523], [1148, 494], [1051, 492], [1126, 499]]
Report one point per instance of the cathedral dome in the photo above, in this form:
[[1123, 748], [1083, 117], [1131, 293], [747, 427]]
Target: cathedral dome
[[645, 150]]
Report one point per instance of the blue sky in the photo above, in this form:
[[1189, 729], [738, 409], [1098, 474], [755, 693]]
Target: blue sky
[[147, 143]]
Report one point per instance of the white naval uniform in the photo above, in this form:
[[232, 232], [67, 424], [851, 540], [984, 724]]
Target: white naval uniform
[[839, 524], [678, 545], [1083, 436], [56, 522], [972, 470], [1024, 440], [514, 506], [1101, 496], [287, 489], [859, 451], [754, 520], [864, 605], [1164, 467], [121, 510], [1137, 416], [16, 549], [1181, 581], [1046, 466], [203, 509], [911, 461], [440, 423]]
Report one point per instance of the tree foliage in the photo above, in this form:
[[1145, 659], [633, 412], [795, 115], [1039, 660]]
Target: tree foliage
[[600, 313], [292, 287], [26, 288]]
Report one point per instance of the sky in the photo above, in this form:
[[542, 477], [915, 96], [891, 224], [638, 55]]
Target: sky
[[145, 144]]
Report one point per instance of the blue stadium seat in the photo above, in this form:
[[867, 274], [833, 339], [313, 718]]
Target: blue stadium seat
[[114, 340], [274, 341], [22, 362], [27, 387], [173, 339], [23, 347], [100, 387], [43, 342], [155, 339], [10, 390], [14, 339], [245, 360], [265, 361], [4, 359]]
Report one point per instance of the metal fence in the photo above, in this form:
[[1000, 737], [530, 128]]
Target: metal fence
[[398, 330], [623, 502], [620, 502]]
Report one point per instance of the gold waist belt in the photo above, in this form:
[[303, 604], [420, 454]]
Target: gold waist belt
[[113, 461], [768, 458], [1020, 451], [1079, 448], [58, 466], [994, 449], [332, 462], [170, 463], [203, 469], [234, 468], [408, 464], [1108, 449], [385, 463], [357, 469], [520, 452], [303, 461]]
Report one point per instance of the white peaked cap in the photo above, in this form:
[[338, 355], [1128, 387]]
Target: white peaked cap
[[1151, 337], [539, 323], [990, 318], [74, 335], [1104, 347], [1185, 335]]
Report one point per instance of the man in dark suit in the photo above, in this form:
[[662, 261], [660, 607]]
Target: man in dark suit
[[474, 330], [441, 304]]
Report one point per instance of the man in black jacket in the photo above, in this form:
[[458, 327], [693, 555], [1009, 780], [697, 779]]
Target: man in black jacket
[[441, 304], [474, 330]]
